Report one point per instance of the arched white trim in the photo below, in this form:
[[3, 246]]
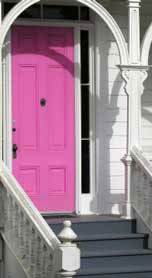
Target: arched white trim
[[92, 4], [146, 44]]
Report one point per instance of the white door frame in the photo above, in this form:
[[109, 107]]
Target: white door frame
[[82, 201]]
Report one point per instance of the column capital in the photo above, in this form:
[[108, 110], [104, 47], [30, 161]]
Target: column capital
[[132, 72], [134, 67], [134, 3]]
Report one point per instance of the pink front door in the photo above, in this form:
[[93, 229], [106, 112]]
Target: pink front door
[[43, 115]]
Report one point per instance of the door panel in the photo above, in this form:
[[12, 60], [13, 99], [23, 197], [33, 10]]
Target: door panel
[[43, 115]]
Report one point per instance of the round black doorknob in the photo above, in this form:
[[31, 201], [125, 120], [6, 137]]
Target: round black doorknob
[[43, 101]]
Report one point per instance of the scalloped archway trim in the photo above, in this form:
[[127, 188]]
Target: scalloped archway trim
[[92, 4], [146, 44]]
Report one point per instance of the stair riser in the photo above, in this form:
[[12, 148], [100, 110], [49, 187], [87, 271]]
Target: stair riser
[[117, 261], [127, 275], [119, 244], [83, 228]]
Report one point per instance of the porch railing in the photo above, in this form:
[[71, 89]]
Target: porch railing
[[141, 195], [34, 244]]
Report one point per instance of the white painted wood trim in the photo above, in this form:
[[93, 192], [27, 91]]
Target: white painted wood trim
[[7, 105], [100, 91], [86, 199], [92, 114], [77, 121], [54, 23], [93, 5], [145, 46], [134, 31]]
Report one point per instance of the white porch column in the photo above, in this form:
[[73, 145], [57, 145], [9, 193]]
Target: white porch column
[[1, 99], [134, 76], [134, 31]]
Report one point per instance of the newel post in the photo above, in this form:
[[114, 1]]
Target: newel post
[[67, 255]]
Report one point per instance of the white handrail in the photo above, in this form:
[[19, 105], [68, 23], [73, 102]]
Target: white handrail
[[142, 161], [141, 186]]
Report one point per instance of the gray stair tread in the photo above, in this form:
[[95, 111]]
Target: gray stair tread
[[120, 270], [87, 219], [112, 253], [110, 236]]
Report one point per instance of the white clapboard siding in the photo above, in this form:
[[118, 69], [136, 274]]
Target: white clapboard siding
[[147, 97], [114, 155], [119, 128], [120, 101], [115, 183], [115, 169], [146, 101], [114, 74], [116, 115], [146, 120], [112, 48], [114, 194], [116, 207], [121, 20], [114, 200], [147, 142], [147, 132], [113, 60], [116, 88], [116, 142]]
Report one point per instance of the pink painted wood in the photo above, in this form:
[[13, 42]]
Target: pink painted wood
[[43, 67]]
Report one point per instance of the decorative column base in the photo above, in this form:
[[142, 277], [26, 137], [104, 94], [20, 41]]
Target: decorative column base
[[66, 274], [127, 206], [127, 211]]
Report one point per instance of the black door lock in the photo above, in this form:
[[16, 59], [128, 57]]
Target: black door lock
[[15, 148], [43, 101]]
